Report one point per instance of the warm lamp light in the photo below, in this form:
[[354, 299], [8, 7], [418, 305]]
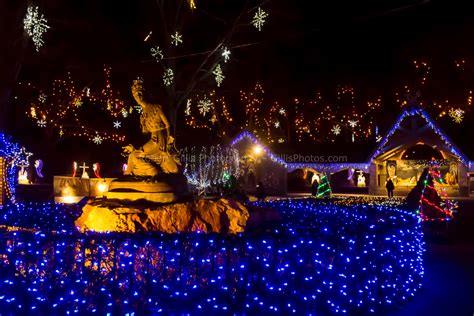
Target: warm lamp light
[[102, 186], [257, 150]]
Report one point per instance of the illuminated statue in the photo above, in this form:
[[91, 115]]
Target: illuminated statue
[[155, 156]]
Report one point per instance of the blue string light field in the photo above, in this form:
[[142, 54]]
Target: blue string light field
[[323, 257]]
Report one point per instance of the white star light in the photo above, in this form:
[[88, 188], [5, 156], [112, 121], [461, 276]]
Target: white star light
[[97, 140], [219, 75], [187, 111], [157, 53], [276, 124], [282, 111], [176, 38], [41, 123], [353, 123], [259, 18], [117, 124], [457, 115], [168, 77], [204, 106], [226, 54], [124, 113], [336, 129], [35, 26]]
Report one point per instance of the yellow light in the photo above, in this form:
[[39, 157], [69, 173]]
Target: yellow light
[[257, 150], [102, 187]]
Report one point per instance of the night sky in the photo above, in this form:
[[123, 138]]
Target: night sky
[[306, 45]]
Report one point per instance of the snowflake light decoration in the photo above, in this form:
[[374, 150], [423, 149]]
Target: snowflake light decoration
[[353, 123], [336, 129], [219, 76], [226, 54], [168, 77], [157, 53], [282, 111], [204, 106], [42, 98], [457, 115], [276, 124], [124, 113], [176, 38], [77, 102], [35, 26], [378, 138], [117, 124], [187, 110], [259, 18], [97, 140], [41, 123], [281, 140], [139, 109]]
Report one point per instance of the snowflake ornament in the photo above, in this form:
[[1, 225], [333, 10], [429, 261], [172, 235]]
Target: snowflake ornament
[[97, 139], [124, 113], [353, 123], [157, 53], [226, 54], [219, 76], [259, 18], [77, 102], [176, 38], [204, 106], [139, 109], [168, 77], [276, 124], [117, 124], [42, 98], [41, 123], [336, 129], [282, 111], [187, 110], [457, 115], [35, 26]]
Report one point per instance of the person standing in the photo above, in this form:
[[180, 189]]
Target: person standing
[[390, 187]]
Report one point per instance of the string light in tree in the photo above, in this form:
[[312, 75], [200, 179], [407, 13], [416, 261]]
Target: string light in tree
[[176, 38], [259, 19], [35, 25], [168, 77], [219, 76], [157, 53]]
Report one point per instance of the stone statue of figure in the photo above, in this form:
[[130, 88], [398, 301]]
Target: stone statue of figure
[[155, 156]]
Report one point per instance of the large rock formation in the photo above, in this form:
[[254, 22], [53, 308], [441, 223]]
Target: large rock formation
[[219, 216]]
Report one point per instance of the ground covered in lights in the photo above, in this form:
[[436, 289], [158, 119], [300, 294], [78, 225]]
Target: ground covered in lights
[[324, 257]]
